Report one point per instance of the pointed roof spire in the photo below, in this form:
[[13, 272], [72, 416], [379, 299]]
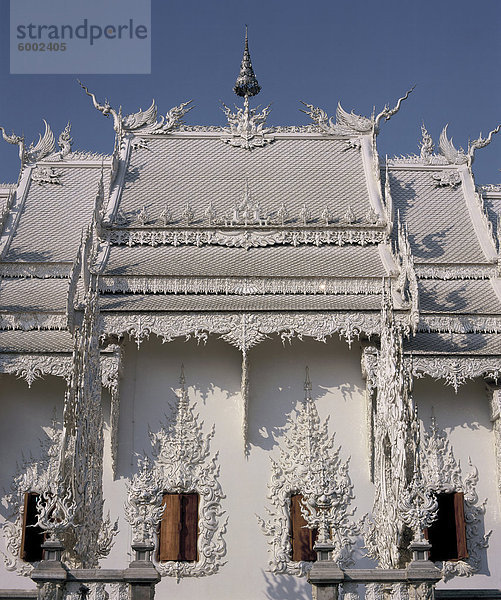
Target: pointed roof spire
[[307, 385], [246, 83]]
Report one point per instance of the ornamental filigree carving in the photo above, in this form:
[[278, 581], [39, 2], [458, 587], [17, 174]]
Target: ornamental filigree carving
[[34, 152], [309, 465], [32, 320], [393, 420], [65, 141], [89, 536], [443, 474], [350, 123], [141, 121], [246, 127], [33, 475], [247, 238], [455, 271], [31, 367], [240, 286], [446, 178], [462, 157], [460, 324], [182, 463], [458, 370], [317, 325], [43, 175]]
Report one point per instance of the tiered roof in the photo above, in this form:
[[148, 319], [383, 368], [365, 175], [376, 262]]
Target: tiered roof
[[250, 218]]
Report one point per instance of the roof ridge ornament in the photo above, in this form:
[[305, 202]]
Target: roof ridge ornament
[[351, 123], [460, 156], [65, 141], [35, 152], [141, 121], [246, 126], [246, 83]]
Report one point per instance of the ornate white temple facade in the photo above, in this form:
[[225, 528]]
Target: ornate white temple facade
[[218, 344]]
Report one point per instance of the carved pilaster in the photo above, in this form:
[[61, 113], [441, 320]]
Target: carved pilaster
[[90, 536], [393, 443]]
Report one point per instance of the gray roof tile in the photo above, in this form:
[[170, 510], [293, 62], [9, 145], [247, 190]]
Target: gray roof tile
[[167, 303], [440, 226], [53, 216], [36, 341], [454, 343], [301, 261], [463, 297], [175, 172], [33, 295]]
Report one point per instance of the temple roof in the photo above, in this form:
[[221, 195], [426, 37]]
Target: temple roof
[[198, 172], [249, 218], [216, 261]]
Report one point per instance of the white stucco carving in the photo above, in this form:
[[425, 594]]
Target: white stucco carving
[[246, 127], [318, 325], [457, 370], [31, 367], [32, 475], [393, 420], [259, 236], [442, 473], [309, 465], [182, 463]]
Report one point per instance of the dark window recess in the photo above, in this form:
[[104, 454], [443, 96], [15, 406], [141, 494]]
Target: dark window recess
[[302, 538], [447, 535], [178, 533], [33, 536]]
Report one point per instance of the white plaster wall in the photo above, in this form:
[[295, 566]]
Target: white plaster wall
[[24, 413], [465, 418], [276, 386]]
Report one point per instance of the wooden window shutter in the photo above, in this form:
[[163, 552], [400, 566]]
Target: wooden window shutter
[[32, 536], [302, 538], [447, 534], [179, 528], [462, 550]]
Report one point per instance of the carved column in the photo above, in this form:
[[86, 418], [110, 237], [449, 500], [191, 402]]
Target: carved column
[[495, 403], [89, 536], [393, 443]]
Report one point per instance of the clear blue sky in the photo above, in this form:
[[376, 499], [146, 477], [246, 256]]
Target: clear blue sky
[[363, 53]]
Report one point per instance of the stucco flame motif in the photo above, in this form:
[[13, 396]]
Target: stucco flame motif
[[443, 474], [141, 121], [33, 475], [351, 123], [181, 464], [246, 127], [309, 465]]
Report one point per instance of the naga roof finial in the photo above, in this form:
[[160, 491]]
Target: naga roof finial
[[246, 83]]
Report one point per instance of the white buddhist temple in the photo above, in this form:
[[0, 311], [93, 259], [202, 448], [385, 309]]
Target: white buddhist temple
[[249, 362]]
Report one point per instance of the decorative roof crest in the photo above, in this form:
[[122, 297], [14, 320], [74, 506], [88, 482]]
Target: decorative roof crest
[[65, 140], [34, 153], [426, 145], [144, 122], [351, 123], [462, 157], [246, 126]]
